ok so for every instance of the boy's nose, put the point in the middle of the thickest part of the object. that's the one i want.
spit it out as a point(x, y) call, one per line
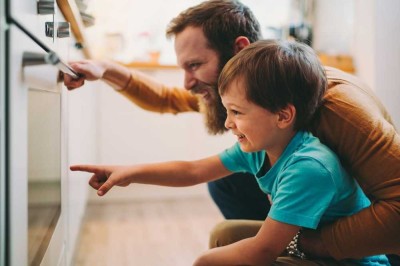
point(228, 123)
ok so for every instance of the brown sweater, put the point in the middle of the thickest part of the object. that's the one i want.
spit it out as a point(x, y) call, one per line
point(353, 123)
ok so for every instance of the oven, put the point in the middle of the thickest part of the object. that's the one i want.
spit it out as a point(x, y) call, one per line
point(35, 122)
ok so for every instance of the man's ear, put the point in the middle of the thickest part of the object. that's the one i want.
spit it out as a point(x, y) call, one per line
point(287, 116)
point(240, 43)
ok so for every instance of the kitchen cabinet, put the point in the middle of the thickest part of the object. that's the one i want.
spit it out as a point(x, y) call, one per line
point(43, 202)
point(36, 223)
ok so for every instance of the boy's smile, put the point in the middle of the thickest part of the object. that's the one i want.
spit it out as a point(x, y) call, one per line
point(255, 127)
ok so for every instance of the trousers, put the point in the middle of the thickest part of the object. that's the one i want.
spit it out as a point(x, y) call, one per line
point(238, 196)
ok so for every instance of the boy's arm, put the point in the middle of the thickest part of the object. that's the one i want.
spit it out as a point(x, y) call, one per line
point(175, 174)
point(263, 249)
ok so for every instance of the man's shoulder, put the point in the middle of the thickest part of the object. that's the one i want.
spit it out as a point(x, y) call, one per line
point(353, 123)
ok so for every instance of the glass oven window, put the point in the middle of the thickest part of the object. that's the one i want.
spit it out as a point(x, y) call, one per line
point(44, 170)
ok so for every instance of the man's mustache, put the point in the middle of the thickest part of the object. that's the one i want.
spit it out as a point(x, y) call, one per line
point(200, 87)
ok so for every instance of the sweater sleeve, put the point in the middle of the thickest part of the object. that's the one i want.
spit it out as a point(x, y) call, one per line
point(354, 124)
point(153, 96)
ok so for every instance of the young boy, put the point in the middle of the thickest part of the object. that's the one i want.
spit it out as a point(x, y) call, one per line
point(270, 90)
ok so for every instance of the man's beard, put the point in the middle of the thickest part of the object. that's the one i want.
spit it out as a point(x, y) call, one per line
point(214, 114)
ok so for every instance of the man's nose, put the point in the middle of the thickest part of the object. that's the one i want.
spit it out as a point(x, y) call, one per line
point(189, 81)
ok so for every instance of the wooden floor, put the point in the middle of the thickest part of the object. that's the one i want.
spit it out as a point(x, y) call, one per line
point(167, 233)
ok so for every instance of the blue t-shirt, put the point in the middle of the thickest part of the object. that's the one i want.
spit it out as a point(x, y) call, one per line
point(307, 184)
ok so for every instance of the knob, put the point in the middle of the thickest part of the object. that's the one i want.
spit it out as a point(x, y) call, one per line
point(45, 7)
point(63, 29)
point(49, 29)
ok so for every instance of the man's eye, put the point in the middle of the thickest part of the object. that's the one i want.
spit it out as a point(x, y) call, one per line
point(194, 65)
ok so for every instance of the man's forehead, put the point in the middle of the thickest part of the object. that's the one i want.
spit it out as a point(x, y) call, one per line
point(191, 43)
point(191, 35)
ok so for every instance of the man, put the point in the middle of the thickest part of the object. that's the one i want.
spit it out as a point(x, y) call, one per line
point(352, 122)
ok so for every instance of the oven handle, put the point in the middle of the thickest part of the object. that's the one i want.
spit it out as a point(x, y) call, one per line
point(30, 58)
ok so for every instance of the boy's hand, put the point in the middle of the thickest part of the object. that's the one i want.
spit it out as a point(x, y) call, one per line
point(104, 177)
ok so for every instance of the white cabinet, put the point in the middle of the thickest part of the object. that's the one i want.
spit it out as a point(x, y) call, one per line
point(45, 201)
point(36, 157)
point(82, 148)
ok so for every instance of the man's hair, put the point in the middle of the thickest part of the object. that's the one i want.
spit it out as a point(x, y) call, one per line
point(276, 73)
point(222, 22)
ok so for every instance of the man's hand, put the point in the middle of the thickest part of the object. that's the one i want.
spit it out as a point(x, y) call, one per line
point(311, 244)
point(89, 70)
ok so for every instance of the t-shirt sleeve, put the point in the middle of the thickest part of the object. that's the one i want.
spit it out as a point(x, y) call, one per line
point(305, 190)
point(235, 160)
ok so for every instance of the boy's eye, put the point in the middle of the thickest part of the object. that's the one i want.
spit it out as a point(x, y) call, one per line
point(234, 112)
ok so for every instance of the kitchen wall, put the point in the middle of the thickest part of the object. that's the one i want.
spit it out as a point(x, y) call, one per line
point(128, 31)
point(333, 26)
point(377, 50)
point(366, 30)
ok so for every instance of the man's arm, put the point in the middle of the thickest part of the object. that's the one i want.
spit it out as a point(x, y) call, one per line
point(154, 96)
point(343, 239)
point(137, 87)
point(354, 124)
point(115, 74)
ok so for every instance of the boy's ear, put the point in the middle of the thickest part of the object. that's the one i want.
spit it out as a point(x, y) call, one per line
point(240, 43)
point(287, 116)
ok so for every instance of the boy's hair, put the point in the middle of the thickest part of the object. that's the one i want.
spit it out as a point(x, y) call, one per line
point(276, 73)
point(222, 22)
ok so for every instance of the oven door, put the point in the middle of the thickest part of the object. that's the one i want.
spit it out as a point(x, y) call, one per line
point(36, 157)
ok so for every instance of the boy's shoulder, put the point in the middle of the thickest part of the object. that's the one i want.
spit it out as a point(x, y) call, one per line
point(311, 153)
